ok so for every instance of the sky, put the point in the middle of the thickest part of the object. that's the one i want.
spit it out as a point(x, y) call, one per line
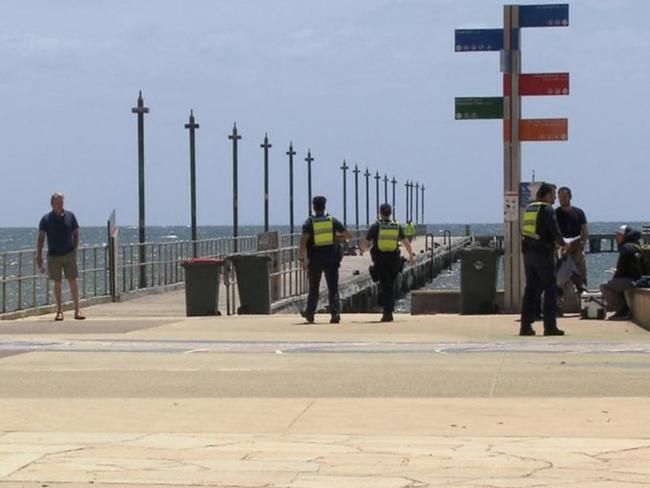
point(369, 81)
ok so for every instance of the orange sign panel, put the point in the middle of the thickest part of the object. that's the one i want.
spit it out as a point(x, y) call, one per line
point(539, 130)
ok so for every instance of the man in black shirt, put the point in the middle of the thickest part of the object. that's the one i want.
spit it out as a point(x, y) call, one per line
point(386, 235)
point(320, 252)
point(573, 223)
point(540, 234)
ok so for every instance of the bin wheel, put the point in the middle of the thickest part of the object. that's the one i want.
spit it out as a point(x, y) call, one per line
point(601, 314)
point(583, 313)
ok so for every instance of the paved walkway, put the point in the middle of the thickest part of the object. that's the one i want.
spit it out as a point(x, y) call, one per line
point(140, 396)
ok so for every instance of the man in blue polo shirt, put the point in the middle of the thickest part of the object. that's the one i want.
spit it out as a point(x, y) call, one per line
point(62, 231)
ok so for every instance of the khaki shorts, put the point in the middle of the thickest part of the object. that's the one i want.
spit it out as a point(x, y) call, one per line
point(66, 263)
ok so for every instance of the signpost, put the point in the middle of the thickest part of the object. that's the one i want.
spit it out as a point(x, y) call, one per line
point(539, 84)
point(543, 129)
point(553, 15)
point(508, 108)
point(479, 39)
point(479, 108)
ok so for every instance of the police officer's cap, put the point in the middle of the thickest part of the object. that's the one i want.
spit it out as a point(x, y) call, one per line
point(319, 200)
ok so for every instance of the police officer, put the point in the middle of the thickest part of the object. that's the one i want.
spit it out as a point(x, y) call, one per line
point(319, 253)
point(540, 233)
point(410, 230)
point(385, 236)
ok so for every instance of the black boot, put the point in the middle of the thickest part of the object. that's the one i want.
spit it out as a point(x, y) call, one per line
point(387, 317)
point(336, 319)
point(309, 317)
point(526, 330)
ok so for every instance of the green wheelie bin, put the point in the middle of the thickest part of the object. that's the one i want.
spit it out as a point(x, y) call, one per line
point(202, 286)
point(478, 280)
point(253, 283)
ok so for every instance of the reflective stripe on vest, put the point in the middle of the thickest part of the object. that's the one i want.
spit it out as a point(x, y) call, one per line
point(529, 227)
point(323, 230)
point(388, 238)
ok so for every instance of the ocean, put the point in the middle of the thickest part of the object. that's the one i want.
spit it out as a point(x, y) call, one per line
point(600, 266)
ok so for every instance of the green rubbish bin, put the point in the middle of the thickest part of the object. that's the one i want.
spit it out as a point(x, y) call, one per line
point(478, 280)
point(253, 283)
point(202, 286)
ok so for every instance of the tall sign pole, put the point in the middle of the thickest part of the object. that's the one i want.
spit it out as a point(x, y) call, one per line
point(192, 126)
point(393, 182)
point(291, 153)
point(266, 147)
point(345, 168)
point(513, 283)
point(367, 175)
point(234, 137)
point(356, 172)
point(508, 108)
point(309, 160)
point(141, 110)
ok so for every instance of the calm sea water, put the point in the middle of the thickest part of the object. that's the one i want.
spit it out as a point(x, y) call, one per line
point(16, 238)
point(600, 266)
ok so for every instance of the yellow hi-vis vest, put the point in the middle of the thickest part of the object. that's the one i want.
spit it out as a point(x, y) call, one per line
point(410, 229)
point(529, 228)
point(388, 238)
point(323, 230)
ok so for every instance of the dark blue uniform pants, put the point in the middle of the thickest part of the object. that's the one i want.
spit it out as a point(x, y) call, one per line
point(331, 270)
point(386, 264)
point(540, 278)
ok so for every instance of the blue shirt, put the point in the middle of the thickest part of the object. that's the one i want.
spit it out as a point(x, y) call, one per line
point(59, 232)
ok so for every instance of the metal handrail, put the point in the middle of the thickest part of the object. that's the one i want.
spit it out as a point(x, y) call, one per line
point(23, 287)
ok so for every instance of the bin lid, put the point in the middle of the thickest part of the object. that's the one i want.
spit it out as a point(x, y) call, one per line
point(479, 250)
point(203, 261)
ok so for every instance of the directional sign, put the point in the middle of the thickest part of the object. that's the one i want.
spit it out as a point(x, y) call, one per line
point(539, 84)
point(555, 15)
point(479, 108)
point(539, 130)
point(479, 39)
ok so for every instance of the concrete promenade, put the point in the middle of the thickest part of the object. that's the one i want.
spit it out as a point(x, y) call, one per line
point(138, 395)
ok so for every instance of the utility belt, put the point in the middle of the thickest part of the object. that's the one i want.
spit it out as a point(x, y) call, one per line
point(535, 245)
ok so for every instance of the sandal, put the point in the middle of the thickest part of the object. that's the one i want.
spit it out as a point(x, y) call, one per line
point(79, 316)
point(59, 316)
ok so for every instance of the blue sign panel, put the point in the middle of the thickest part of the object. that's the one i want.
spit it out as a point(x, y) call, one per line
point(479, 39)
point(556, 15)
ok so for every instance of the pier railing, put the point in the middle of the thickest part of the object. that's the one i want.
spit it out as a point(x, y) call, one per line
point(23, 288)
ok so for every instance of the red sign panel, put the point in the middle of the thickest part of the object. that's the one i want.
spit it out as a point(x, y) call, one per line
point(539, 130)
point(539, 84)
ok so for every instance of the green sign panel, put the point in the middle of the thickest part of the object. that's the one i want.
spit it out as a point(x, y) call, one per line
point(479, 108)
